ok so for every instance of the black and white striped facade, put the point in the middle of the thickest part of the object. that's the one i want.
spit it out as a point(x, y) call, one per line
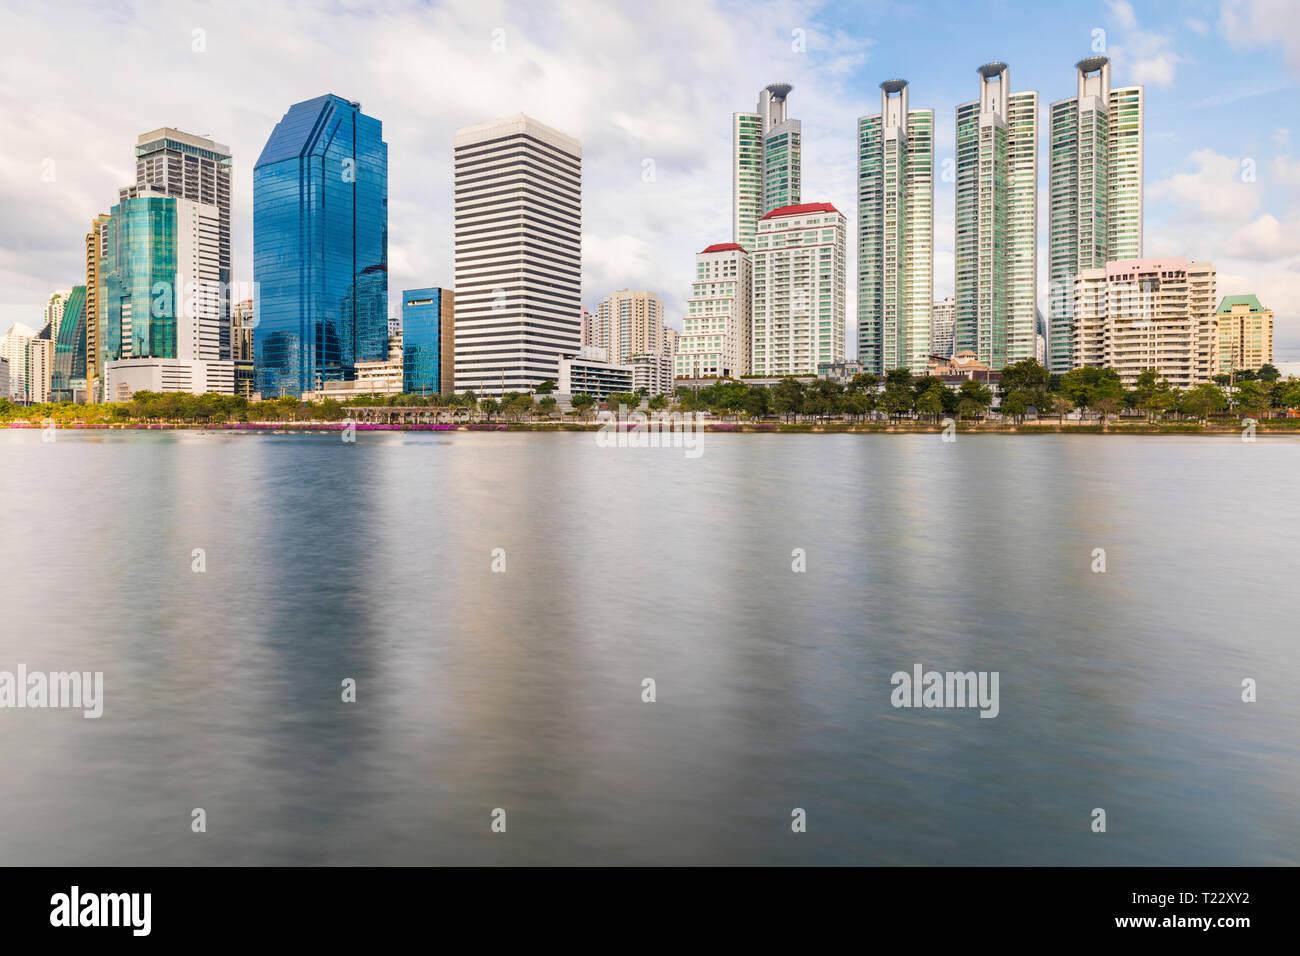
point(518, 249)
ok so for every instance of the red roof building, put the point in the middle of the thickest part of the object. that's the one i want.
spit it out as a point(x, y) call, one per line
point(802, 209)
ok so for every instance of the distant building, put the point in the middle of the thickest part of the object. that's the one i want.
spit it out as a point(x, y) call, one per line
point(28, 356)
point(96, 250)
point(242, 325)
point(800, 287)
point(941, 325)
point(4, 378)
point(715, 339)
point(964, 363)
point(652, 371)
point(842, 372)
point(588, 373)
point(1245, 334)
point(629, 322)
point(381, 377)
point(1138, 314)
point(426, 323)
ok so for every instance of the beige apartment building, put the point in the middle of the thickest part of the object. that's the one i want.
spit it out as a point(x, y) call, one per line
point(1245, 334)
point(629, 322)
point(1136, 314)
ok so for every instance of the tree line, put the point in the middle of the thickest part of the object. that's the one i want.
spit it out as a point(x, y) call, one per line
point(1026, 387)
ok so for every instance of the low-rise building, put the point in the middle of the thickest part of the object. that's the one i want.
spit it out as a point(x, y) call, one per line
point(1138, 314)
point(383, 377)
point(587, 372)
point(124, 377)
point(1245, 334)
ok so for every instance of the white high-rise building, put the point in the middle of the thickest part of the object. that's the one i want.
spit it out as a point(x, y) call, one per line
point(180, 164)
point(799, 290)
point(996, 248)
point(715, 336)
point(54, 312)
point(518, 251)
point(30, 358)
point(941, 316)
point(628, 322)
point(1137, 314)
point(895, 233)
point(767, 151)
point(1096, 191)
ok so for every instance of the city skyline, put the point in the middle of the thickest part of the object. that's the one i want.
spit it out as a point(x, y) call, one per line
point(644, 223)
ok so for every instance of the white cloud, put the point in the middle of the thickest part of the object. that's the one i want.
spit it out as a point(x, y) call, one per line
point(1265, 239)
point(1267, 23)
point(631, 82)
point(1140, 56)
point(1216, 189)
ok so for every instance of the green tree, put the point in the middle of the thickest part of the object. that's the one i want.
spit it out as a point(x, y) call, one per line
point(1015, 405)
point(1200, 401)
point(897, 399)
point(973, 398)
point(863, 382)
point(546, 404)
point(787, 398)
point(930, 403)
point(1028, 374)
point(1268, 372)
point(1062, 405)
point(758, 401)
point(546, 387)
point(658, 403)
point(823, 398)
point(1152, 393)
point(1088, 385)
point(583, 403)
point(1251, 398)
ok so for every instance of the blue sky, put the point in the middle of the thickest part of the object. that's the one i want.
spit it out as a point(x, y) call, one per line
point(634, 82)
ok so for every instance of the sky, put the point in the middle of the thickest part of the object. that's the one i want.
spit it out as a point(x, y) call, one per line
point(649, 89)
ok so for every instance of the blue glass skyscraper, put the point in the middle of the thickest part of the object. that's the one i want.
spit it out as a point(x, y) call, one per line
point(426, 319)
point(320, 246)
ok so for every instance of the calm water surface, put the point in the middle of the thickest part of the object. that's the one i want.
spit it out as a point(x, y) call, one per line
point(522, 690)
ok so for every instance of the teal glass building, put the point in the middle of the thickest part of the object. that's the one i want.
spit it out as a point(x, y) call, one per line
point(138, 278)
point(422, 320)
point(68, 370)
point(320, 247)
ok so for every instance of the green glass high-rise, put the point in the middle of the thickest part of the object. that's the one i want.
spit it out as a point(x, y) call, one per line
point(895, 233)
point(996, 254)
point(767, 157)
point(1096, 191)
point(68, 368)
